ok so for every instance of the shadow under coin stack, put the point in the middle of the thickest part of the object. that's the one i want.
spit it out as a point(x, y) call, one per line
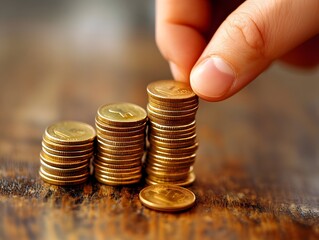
point(171, 111)
point(67, 148)
point(120, 143)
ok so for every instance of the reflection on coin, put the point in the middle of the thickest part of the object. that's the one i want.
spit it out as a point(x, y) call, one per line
point(122, 114)
point(167, 197)
point(166, 90)
point(67, 132)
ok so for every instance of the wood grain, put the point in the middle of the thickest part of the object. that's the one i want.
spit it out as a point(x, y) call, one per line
point(257, 165)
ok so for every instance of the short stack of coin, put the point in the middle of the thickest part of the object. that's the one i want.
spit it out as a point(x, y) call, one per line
point(120, 143)
point(67, 148)
point(171, 111)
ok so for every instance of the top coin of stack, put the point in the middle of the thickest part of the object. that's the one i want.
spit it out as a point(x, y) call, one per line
point(67, 148)
point(171, 110)
point(120, 143)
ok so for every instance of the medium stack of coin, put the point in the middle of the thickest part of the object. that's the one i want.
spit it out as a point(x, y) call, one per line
point(120, 143)
point(171, 111)
point(67, 148)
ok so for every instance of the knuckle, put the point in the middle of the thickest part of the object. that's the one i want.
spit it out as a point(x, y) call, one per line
point(242, 27)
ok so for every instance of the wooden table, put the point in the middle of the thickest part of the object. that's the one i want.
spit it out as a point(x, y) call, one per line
point(257, 164)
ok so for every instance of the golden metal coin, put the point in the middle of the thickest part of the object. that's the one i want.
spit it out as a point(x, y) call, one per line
point(66, 152)
point(174, 127)
point(173, 104)
point(60, 164)
point(66, 147)
point(170, 90)
point(70, 132)
point(167, 198)
point(64, 171)
point(63, 182)
point(122, 114)
point(116, 182)
point(99, 122)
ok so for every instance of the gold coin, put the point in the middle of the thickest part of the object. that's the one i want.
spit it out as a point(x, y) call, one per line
point(136, 177)
point(116, 182)
point(62, 164)
point(63, 182)
point(173, 104)
point(123, 129)
point(70, 132)
point(66, 152)
point(182, 117)
point(167, 198)
point(174, 127)
point(171, 112)
point(64, 171)
point(62, 177)
point(169, 122)
point(115, 133)
point(118, 159)
point(170, 90)
point(65, 147)
point(174, 151)
point(182, 183)
point(67, 159)
point(101, 164)
point(122, 114)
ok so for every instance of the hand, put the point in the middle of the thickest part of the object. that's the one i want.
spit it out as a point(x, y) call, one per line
point(220, 48)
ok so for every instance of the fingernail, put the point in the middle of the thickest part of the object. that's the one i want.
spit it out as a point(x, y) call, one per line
point(177, 74)
point(212, 78)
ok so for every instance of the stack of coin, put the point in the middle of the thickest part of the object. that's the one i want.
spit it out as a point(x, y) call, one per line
point(120, 143)
point(67, 148)
point(171, 111)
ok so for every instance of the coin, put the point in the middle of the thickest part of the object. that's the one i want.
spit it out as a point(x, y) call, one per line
point(167, 198)
point(122, 114)
point(67, 132)
point(166, 90)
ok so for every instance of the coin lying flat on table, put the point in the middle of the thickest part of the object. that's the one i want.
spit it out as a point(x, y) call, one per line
point(167, 198)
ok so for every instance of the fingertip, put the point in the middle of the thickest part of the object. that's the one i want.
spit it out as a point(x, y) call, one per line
point(178, 73)
point(212, 79)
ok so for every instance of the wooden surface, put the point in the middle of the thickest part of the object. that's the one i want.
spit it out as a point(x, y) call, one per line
point(257, 165)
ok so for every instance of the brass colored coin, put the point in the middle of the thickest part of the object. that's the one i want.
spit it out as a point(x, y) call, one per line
point(168, 122)
point(182, 118)
point(136, 177)
point(63, 178)
point(62, 164)
point(123, 129)
point(120, 170)
point(156, 130)
point(114, 133)
point(122, 114)
point(122, 140)
point(172, 104)
point(63, 182)
point(183, 183)
point(120, 175)
point(101, 164)
point(170, 90)
point(135, 138)
point(174, 127)
point(116, 182)
point(174, 151)
point(102, 149)
point(190, 139)
point(172, 145)
point(118, 159)
point(65, 152)
point(167, 198)
point(70, 132)
point(65, 147)
point(173, 112)
point(64, 171)
point(58, 158)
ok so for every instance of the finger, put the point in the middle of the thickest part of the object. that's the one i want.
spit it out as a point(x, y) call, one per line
point(255, 34)
point(180, 33)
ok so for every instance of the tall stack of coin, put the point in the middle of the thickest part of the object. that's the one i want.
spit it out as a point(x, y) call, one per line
point(120, 143)
point(171, 111)
point(67, 148)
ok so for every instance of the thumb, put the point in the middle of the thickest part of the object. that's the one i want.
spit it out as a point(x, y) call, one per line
point(255, 34)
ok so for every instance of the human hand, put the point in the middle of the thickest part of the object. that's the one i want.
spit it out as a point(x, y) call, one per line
point(220, 57)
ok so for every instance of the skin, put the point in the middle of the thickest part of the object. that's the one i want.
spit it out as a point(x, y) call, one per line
point(221, 46)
